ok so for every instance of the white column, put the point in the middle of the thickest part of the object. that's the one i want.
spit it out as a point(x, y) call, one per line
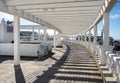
point(78, 37)
point(44, 34)
point(85, 37)
point(39, 33)
point(89, 45)
point(90, 36)
point(95, 35)
point(16, 41)
point(95, 39)
point(54, 43)
point(72, 38)
point(59, 36)
point(105, 37)
point(82, 38)
point(2, 31)
point(69, 37)
point(32, 37)
point(106, 31)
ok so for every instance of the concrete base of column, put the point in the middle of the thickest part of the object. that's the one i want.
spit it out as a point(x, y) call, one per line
point(102, 57)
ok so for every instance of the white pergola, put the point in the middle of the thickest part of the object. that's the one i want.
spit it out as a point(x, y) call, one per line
point(65, 16)
point(62, 15)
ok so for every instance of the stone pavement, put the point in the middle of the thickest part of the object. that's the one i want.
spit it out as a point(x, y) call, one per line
point(71, 66)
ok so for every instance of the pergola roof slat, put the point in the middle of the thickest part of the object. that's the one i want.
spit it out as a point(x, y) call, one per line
point(33, 2)
point(62, 15)
point(62, 5)
point(64, 9)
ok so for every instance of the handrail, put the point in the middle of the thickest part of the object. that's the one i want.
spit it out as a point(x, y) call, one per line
point(113, 63)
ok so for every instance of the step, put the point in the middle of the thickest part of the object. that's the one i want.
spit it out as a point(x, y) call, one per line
point(110, 80)
point(103, 68)
point(107, 73)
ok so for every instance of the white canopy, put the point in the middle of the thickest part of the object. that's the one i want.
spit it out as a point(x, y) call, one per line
point(66, 16)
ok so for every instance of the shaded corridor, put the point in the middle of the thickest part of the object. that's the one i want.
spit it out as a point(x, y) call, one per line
point(75, 66)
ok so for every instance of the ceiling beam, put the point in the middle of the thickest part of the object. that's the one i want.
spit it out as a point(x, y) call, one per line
point(79, 20)
point(108, 4)
point(68, 18)
point(67, 15)
point(63, 5)
point(63, 9)
point(20, 13)
point(70, 12)
point(80, 14)
point(72, 26)
point(57, 24)
point(34, 2)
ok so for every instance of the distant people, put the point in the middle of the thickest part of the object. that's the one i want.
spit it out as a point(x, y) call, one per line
point(116, 46)
point(77, 38)
point(12, 41)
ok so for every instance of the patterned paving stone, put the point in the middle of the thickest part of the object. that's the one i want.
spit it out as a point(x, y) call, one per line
point(73, 66)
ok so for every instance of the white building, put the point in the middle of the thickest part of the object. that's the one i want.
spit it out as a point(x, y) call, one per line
point(6, 32)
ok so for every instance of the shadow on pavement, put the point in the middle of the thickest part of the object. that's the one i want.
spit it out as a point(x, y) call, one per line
point(19, 77)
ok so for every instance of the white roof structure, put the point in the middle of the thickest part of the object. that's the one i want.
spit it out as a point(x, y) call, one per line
point(66, 16)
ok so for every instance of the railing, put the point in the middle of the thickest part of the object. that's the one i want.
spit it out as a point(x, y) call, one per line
point(113, 60)
point(113, 63)
point(94, 49)
point(97, 50)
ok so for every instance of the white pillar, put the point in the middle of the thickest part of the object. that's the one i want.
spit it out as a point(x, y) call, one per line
point(78, 37)
point(85, 37)
point(32, 37)
point(82, 38)
point(39, 33)
point(2, 30)
point(72, 37)
point(54, 43)
point(105, 37)
point(95, 35)
point(69, 37)
point(44, 34)
point(89, 45)
point(90, 36)
point(106, 31)
point(16, 41)
point(59, 36)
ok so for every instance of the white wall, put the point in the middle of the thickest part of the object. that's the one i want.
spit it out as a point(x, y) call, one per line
point(25, 49)
point(9, 37)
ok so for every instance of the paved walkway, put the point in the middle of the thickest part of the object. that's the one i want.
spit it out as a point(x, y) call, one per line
point(73, 66)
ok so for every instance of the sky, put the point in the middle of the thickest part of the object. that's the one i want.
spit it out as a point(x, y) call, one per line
point(22, 22)
point(114, 22)
point(114, 25)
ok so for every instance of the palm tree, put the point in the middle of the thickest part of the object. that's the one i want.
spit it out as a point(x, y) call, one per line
point(9, 22)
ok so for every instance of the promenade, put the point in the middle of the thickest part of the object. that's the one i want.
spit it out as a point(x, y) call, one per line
point(65, 65)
